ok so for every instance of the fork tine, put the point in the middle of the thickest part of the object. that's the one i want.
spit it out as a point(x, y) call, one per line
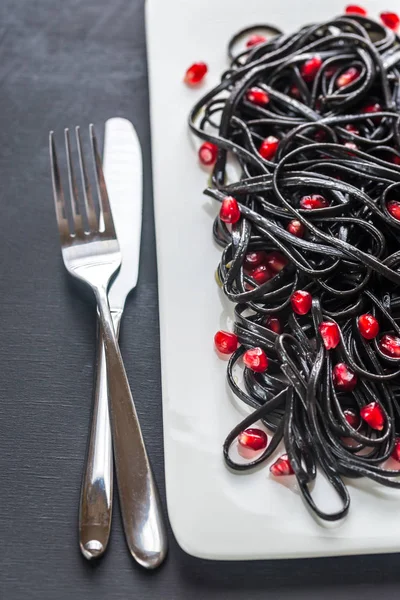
point(58, 193)
point(73, 190)
point(101, 187)
point(86, 188)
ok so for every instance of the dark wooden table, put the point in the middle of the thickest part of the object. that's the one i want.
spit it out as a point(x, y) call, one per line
point(67, 62)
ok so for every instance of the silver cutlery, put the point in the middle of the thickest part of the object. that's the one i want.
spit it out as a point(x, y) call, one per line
point(92, 255)
point(122, 165)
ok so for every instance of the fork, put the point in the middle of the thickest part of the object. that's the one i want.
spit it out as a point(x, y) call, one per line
point(91, 254)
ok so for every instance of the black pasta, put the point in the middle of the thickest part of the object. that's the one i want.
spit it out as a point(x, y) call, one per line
point(338, 133)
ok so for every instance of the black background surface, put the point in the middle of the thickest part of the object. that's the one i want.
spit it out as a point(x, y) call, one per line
point(67, 62)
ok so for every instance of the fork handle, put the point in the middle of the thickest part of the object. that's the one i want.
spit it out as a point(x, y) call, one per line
point(95, 510)
point(138, 495)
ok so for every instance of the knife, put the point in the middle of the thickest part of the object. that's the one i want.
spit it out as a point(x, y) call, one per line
point(140, 505)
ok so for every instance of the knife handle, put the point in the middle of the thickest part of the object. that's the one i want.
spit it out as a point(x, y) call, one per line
point(139, 500)
point(95, 511)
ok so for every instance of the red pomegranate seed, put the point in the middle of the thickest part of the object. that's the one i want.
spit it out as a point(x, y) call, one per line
point(374, 107)
point(311, 68)
point(256, 360)
point(353, 9)
point(274, 324)
point(351, 146)
point(330, 71)
point(276, 261)
point(393, 207)
point(195, 73)
point(208, 153)
point(257, 96)
point(330, 334)
point(352, 418)
point(225, 342)
point(253, 259)
point(352, 129)
point(255, 40)
point(295, 92)
point(373, 415)
point(320, 136)
point(229, 212)
point(390, 19)
point(269, 147)
point(396, 450)
point(282, 467)
point(390, 345)
point(301, 302)
point(296, 228)
point(251, 441)
point(396, 159)
point(313, 202)
point(261, 274)
point(348, 77)
point(368, 326)
point(344, 379)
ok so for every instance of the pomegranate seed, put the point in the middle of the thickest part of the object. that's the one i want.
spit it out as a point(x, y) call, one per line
point(352, 129)
point(393, 207)
point(295, 92)
point(368, 326)
point(195, 73)
point(274, 324)
point(208, 153)
point(225, 342)
point(348, 77)
point(229, 212)
point(353, 9)
point(253, 259)
point(396, 159)
point(282, 467)
point(320, 136)
point(352, 418)
point(255, 40)
point(344, 379)
point(256, 360)
point(269, 147)
point(373, 415)
point(311, 68)
point(276, 261)
point(330, 334)
point(301, 302)
point(374, 107)
point(390, 19)
point(261, 274)
point(314, 201)
point(396, 450)
point(390, 345)
point(251, 441)
point(351, 146)
point(330, 71)
point(296, 228)
point(257, 96)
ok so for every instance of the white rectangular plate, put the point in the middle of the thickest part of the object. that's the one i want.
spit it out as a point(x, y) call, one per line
point(214, 513)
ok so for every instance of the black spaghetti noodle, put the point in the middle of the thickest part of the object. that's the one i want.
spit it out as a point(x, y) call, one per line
point(331, 101)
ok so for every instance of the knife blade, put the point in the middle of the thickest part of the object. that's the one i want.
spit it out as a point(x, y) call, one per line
point(123, 175)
